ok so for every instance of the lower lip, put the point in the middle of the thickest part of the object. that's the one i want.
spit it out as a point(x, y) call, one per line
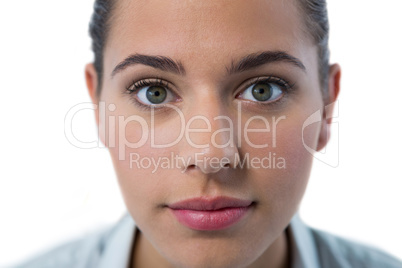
point(209, 220)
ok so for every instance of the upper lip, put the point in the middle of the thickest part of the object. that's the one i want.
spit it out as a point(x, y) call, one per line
point(208, 203)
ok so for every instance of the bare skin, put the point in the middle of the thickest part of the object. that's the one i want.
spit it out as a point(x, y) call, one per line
point(206, 38)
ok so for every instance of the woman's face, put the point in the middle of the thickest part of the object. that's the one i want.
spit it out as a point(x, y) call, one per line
point(205, 103)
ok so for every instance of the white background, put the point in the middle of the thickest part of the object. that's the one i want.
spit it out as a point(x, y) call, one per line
point(51, 191)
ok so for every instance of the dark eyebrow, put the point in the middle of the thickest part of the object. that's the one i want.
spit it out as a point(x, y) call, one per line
point(159, 62)
point(257, 59)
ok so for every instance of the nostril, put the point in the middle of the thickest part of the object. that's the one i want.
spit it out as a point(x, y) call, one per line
point(192, 166)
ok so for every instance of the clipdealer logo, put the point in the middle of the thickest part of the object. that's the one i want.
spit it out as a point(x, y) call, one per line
point(117, 125)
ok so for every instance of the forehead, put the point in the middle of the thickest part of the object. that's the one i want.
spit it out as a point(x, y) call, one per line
point(205, 29)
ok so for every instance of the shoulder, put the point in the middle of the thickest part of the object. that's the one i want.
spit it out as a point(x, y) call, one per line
point(313, 248)
point(335, 251)
point(106, 248)
point(87, 251)
point(77, 253)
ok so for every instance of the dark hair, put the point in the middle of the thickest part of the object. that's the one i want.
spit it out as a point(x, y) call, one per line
point(99, 28)
point(316, 22)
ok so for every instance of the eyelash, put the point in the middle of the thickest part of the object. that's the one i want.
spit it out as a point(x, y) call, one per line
point(135, 86)
point(282, 83)
point(147, 82)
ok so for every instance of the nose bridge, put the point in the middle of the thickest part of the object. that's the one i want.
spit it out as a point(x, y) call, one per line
point(210, 116)
point(210, 134)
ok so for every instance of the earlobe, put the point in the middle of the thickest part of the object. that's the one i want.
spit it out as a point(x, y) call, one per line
point(334, 81)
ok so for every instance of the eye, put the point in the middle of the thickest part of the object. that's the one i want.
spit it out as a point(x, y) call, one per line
point(266, 90)
point(152, 92)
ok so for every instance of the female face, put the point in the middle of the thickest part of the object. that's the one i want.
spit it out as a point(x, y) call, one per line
point(205, 105)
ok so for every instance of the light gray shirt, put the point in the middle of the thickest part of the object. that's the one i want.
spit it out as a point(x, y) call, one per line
point(310, 248)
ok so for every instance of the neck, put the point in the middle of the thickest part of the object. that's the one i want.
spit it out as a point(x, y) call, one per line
point(277, 255)
point(145, 255)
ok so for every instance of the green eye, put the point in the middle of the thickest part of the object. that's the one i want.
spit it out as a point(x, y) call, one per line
point(156, 94)
point(262, 91)
point(152, 92)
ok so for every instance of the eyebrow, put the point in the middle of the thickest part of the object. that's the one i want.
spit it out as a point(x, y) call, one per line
point(257, 59)
point(159, 62)
point(248, 62)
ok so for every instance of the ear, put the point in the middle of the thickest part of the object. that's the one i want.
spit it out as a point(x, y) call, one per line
point(91, 78)
point(334, 81)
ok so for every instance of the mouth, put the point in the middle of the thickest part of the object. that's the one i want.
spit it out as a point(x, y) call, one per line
point(208, 214)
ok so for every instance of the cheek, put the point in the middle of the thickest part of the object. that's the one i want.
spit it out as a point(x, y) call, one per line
point(143, 186)
point(127, 138)
point(145, 173)
point(283, 175)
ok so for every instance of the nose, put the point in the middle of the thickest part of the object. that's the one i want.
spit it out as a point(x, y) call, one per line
point(209, 142)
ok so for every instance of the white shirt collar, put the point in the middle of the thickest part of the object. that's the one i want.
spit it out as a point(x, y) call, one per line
point(118, 244)
point(302, 245)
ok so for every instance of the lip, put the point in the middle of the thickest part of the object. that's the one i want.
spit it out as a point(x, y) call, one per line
point(208, 214)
